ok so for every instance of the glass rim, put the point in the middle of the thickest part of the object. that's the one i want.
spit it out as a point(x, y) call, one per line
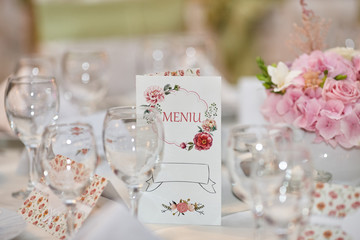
point(72, 124)
point(250, 125)
point(29, 79)
point(128, 108)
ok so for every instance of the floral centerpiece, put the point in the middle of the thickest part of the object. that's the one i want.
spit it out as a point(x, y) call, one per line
point(319, 91)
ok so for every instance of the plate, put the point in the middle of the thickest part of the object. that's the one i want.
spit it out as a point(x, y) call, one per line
point(11, 224)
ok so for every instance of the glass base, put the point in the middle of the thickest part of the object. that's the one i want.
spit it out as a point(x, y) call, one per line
point(21, 194)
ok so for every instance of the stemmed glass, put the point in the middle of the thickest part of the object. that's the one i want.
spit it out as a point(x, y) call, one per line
point(68, 157)
point(35, 65)
point(133, 143)
point(283, 181)
point(243, 140)
point(85, 74)
point(31, 103)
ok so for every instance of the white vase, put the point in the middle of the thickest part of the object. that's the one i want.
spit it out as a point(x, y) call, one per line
point(343, 164)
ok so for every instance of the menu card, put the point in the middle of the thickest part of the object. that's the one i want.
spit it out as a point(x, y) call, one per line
point(186, 187)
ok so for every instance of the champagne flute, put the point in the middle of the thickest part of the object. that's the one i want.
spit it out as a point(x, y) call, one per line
point(85, 74)
point(31, 103)
point(68, 157)
point(133, 143)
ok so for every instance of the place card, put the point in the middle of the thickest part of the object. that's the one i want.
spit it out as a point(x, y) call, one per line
point(45, 210)
point(186, 187)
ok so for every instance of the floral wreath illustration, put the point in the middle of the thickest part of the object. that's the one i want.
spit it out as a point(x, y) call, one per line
point(203, 140)
point(182, 207)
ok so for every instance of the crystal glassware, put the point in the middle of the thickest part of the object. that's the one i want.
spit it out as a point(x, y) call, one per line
point(241, 157)
point(31, 103)
point(35, 65)
point(68, 157)
point(283, 184)
point(133, 143)
point(85, 74)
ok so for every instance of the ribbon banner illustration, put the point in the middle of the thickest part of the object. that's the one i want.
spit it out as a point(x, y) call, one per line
point(182, 172)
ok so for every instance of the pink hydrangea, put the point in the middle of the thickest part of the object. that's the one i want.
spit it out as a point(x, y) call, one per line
point(154, 94)
point(332, 109)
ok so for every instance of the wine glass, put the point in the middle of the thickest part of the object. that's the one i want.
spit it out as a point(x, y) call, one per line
point(68, 158)
point(241, 158)
point(283, 182)
point(85, 74)
point(35, 65)
point(133, 143)
point(31, 103)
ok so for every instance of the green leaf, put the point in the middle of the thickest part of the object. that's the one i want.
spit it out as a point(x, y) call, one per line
point(200, 129)
point(190, 147)
point(167, 87)
point(176, 87)
point(190, 143)
point(261, 77)
point(167, 93)
point(340, 77)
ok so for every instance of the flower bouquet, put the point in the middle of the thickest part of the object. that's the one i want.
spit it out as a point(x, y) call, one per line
point(318, 92)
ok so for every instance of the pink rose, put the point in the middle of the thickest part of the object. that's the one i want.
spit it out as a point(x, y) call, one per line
point(203, 141)
point(154, 94)
point(173, 206)
point(356, 63)
point(183, 145)
point(345, 91)
point(182, 207)
point(191, 207)
point(209, 125)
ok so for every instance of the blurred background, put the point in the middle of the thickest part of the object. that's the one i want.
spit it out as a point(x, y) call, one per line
point(141, 36)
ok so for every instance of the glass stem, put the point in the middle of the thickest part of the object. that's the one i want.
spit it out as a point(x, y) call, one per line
point(71, 208)
point(32, 166)
point(134, 193)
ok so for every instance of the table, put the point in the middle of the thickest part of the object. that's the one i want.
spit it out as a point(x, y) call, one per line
point(237, 222)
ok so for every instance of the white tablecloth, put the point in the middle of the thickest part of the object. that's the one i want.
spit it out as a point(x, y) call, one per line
point(237, 221)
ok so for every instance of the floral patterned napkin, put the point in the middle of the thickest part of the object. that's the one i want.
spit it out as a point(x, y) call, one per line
point(43, 209)
point(181, 72)
point(336, 202)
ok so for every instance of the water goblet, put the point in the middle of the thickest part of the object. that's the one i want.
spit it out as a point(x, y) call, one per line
point(68, 157)
point(242, 142)
point(35, 65)
point(283, 181)
point(85, 74)
point(133, 143)
point(31, 103)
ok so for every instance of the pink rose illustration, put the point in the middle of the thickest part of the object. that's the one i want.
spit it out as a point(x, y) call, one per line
point(154, 94)
point(203, 141)
point(191, 207)
point(182, 207)
point(183, 145)
point(209, 125)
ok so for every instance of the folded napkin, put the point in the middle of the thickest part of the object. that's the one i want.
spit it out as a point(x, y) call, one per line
point(113, 221)
point(335, 212)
